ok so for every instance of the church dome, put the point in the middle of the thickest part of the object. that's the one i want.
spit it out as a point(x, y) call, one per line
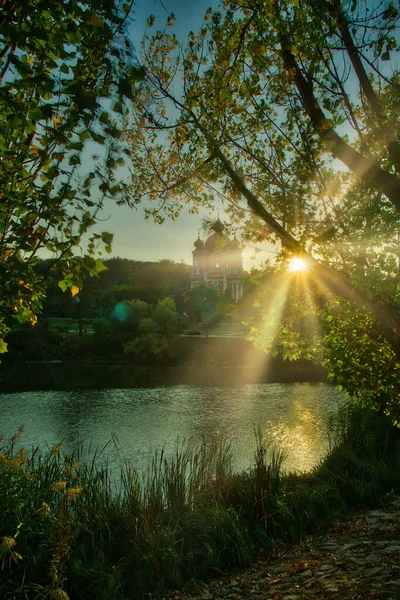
point(199, 244)
point(216, 241)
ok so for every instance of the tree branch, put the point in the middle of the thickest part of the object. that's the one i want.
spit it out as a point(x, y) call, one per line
point(365, 83)
point(337, 283)
point(364, 168)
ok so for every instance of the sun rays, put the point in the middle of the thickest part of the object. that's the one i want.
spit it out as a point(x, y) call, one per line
point(289, 314)
point(288, 321)
point(297, 265)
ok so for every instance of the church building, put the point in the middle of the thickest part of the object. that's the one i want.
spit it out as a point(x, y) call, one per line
point(218, 262)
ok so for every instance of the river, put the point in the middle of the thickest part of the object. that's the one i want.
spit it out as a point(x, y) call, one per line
point(131, 424)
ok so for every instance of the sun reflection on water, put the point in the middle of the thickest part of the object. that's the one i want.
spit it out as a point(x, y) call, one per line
point(291, 416)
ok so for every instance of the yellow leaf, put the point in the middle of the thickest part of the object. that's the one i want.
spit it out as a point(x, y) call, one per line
point(59, 486)
point(325, 125)
point(72, 493)
point(74, 290)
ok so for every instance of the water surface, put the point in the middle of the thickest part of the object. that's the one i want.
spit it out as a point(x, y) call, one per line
point(130, 424)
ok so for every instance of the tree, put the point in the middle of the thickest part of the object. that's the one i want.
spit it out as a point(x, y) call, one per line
point(138, 311)
point(202, 304)
point(157, 329)
point(66, 70)
point(272, 93)
point(166, 317)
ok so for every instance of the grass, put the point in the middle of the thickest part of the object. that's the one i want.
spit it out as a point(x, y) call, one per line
point(66, 532)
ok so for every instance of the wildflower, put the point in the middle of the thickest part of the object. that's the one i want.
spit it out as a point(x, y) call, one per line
point(7, 544)
point(72, 492)
point(59, 595)
point(16, 461)
point(59, 486)
point(45, 509)
point(56, 449)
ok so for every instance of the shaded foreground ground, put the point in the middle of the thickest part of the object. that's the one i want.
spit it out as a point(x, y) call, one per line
point(355, 559)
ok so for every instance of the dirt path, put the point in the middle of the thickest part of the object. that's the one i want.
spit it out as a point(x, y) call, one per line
point(356, 559)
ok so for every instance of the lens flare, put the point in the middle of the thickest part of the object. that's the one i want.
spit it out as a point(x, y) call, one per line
point(122, 312)
point(297, 264)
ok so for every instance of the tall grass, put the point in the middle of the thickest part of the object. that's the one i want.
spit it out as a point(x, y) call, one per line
point(66, 530)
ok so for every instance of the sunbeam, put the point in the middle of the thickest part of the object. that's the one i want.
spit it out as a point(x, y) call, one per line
point(268, 331)
point(297, 264)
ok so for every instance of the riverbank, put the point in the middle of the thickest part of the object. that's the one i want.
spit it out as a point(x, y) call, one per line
point(357, 558)
point(79, 363)
point(65, 533)
point(19, 376)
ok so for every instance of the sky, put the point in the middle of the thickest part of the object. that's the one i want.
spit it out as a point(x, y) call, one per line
point(140, 239)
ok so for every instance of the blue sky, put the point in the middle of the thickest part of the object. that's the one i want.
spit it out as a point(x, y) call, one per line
point(134, 237)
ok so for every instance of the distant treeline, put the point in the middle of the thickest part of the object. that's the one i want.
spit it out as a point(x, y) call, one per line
point(124, 279)
point(134, 318)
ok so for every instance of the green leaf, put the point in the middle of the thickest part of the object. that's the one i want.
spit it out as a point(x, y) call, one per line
point(76, 146)
point(100, 139)
point(100, 266)
point(107, 237)
point(64, 285)
point(36, 114)
point(118, 107)
point(73, 36)
point(75, 159)
point(47, 111)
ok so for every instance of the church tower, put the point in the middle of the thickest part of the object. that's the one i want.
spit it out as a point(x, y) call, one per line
point(218, 262)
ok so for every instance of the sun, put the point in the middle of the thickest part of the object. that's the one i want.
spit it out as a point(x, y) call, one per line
point(297, 264)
